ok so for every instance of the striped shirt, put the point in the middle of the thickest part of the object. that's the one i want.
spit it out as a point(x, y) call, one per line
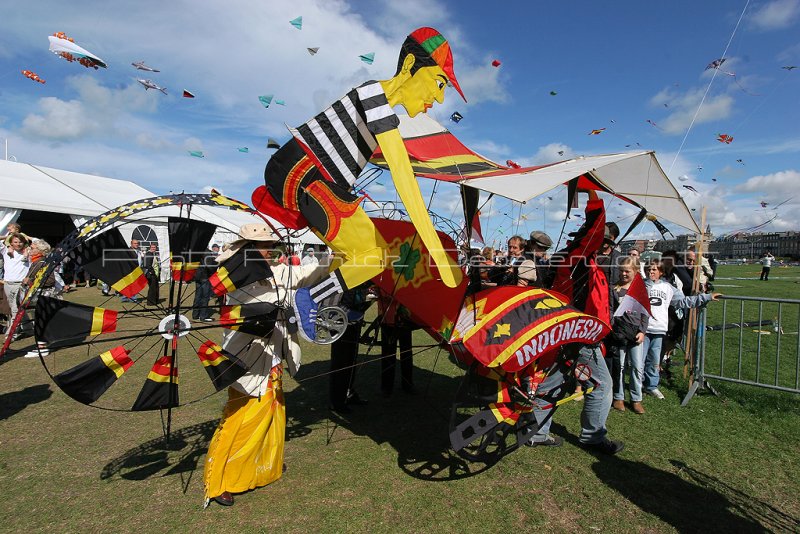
point(341, 139)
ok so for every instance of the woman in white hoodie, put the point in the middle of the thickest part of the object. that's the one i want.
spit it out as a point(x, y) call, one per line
point(662, 296)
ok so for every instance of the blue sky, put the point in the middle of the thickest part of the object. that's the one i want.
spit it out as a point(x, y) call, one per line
point(624, 61)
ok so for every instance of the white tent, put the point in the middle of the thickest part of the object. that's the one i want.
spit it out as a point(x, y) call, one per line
point(24, 186)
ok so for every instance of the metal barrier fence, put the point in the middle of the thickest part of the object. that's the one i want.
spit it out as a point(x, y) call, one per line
point(748, 340)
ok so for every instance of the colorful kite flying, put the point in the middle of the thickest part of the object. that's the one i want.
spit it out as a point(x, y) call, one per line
point(297, 23)
point(150, 84)
point(32, 75)
point(725, 138)
point(367, 58)
point(456, 117)
point(64, 46)
point(141, 66)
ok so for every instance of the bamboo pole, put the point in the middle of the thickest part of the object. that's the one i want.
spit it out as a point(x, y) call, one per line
point(691, 332)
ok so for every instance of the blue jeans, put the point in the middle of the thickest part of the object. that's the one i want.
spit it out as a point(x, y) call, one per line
point(200, 307)
point(634, 353)
point(596, 404)
point(652, 358)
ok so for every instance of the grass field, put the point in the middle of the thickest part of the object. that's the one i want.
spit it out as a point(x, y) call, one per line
point(721, 464)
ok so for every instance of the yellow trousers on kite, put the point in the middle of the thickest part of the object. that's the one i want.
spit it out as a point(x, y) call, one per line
point(360, 248)
point(246, 451)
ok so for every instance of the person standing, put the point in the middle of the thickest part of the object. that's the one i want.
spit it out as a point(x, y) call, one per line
point(140, 260)
point(507, 274)
point(309, 257)
point(15, 267)
point(151, 266)
point(580, 279)
point(344, 352)
point(538, 245)
point(766, 265)
point(246, 451)
point(396, 329)
point(201, 311)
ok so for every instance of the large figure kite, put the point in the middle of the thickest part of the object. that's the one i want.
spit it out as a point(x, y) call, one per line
point(65, 47)
point(309, 179)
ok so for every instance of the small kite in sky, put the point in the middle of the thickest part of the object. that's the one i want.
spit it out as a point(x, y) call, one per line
point(32, 75)
point(512, 164)
point(725, 138)
point(653, 124)
point(740, 161)
point(553, 93)
point(690, 188)
point(456, 117)
point(789, 67)
point(187, 94)
point(244, 149)
point(272, 143)
point(197, 153)
point(683, 177)
point(280, 102)
point(598, 131)
point(700, 168)
point(313, 51)
point(150, 84)
point(496, 63)
point(636, 143)
point(297, 23)
point(367, 58)
point(265, 100)
point(65, 47)
point(560, 152)
point(141, 66)
point(764, 204)
point(613, 121)
point(666, 105)
point(713, 179)
point(716, 64)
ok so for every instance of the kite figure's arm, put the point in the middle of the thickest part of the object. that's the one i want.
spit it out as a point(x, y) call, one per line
point(406, 183)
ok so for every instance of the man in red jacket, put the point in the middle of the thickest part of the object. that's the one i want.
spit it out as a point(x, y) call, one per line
point(580, 278)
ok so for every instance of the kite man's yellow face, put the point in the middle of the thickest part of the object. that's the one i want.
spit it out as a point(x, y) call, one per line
point(422, 89)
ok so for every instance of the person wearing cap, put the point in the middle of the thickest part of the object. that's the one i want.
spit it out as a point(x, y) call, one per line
point(246, 451)
point(309, 180)
point(309, 257)
point(609, 257)
point(578, 277)
point(538, 245)
point(526, 274)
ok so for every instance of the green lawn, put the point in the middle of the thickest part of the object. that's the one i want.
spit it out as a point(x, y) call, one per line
point(726, 463)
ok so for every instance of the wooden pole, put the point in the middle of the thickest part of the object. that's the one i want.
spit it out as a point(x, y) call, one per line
point(691, 332)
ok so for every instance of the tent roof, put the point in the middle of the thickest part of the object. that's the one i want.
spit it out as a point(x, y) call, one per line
point(27, 186)
point(436, 153)
point(32, 187)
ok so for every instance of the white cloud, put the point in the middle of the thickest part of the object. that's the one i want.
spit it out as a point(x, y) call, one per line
point(779, 185)
point(550, 153)
point(775, 15)
point(683, 106)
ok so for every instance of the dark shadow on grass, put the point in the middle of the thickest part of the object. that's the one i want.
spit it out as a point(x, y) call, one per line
point(415, 425)
point(15, 401)
point(701, 504)
point(159, 458)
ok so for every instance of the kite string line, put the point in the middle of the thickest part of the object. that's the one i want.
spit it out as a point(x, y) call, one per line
point(708, 88)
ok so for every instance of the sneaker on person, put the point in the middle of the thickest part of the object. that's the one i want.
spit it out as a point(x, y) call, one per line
point(606, 446)
point(305, 310)
point(35, 353)
point(655, 393)
point(549, 441)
